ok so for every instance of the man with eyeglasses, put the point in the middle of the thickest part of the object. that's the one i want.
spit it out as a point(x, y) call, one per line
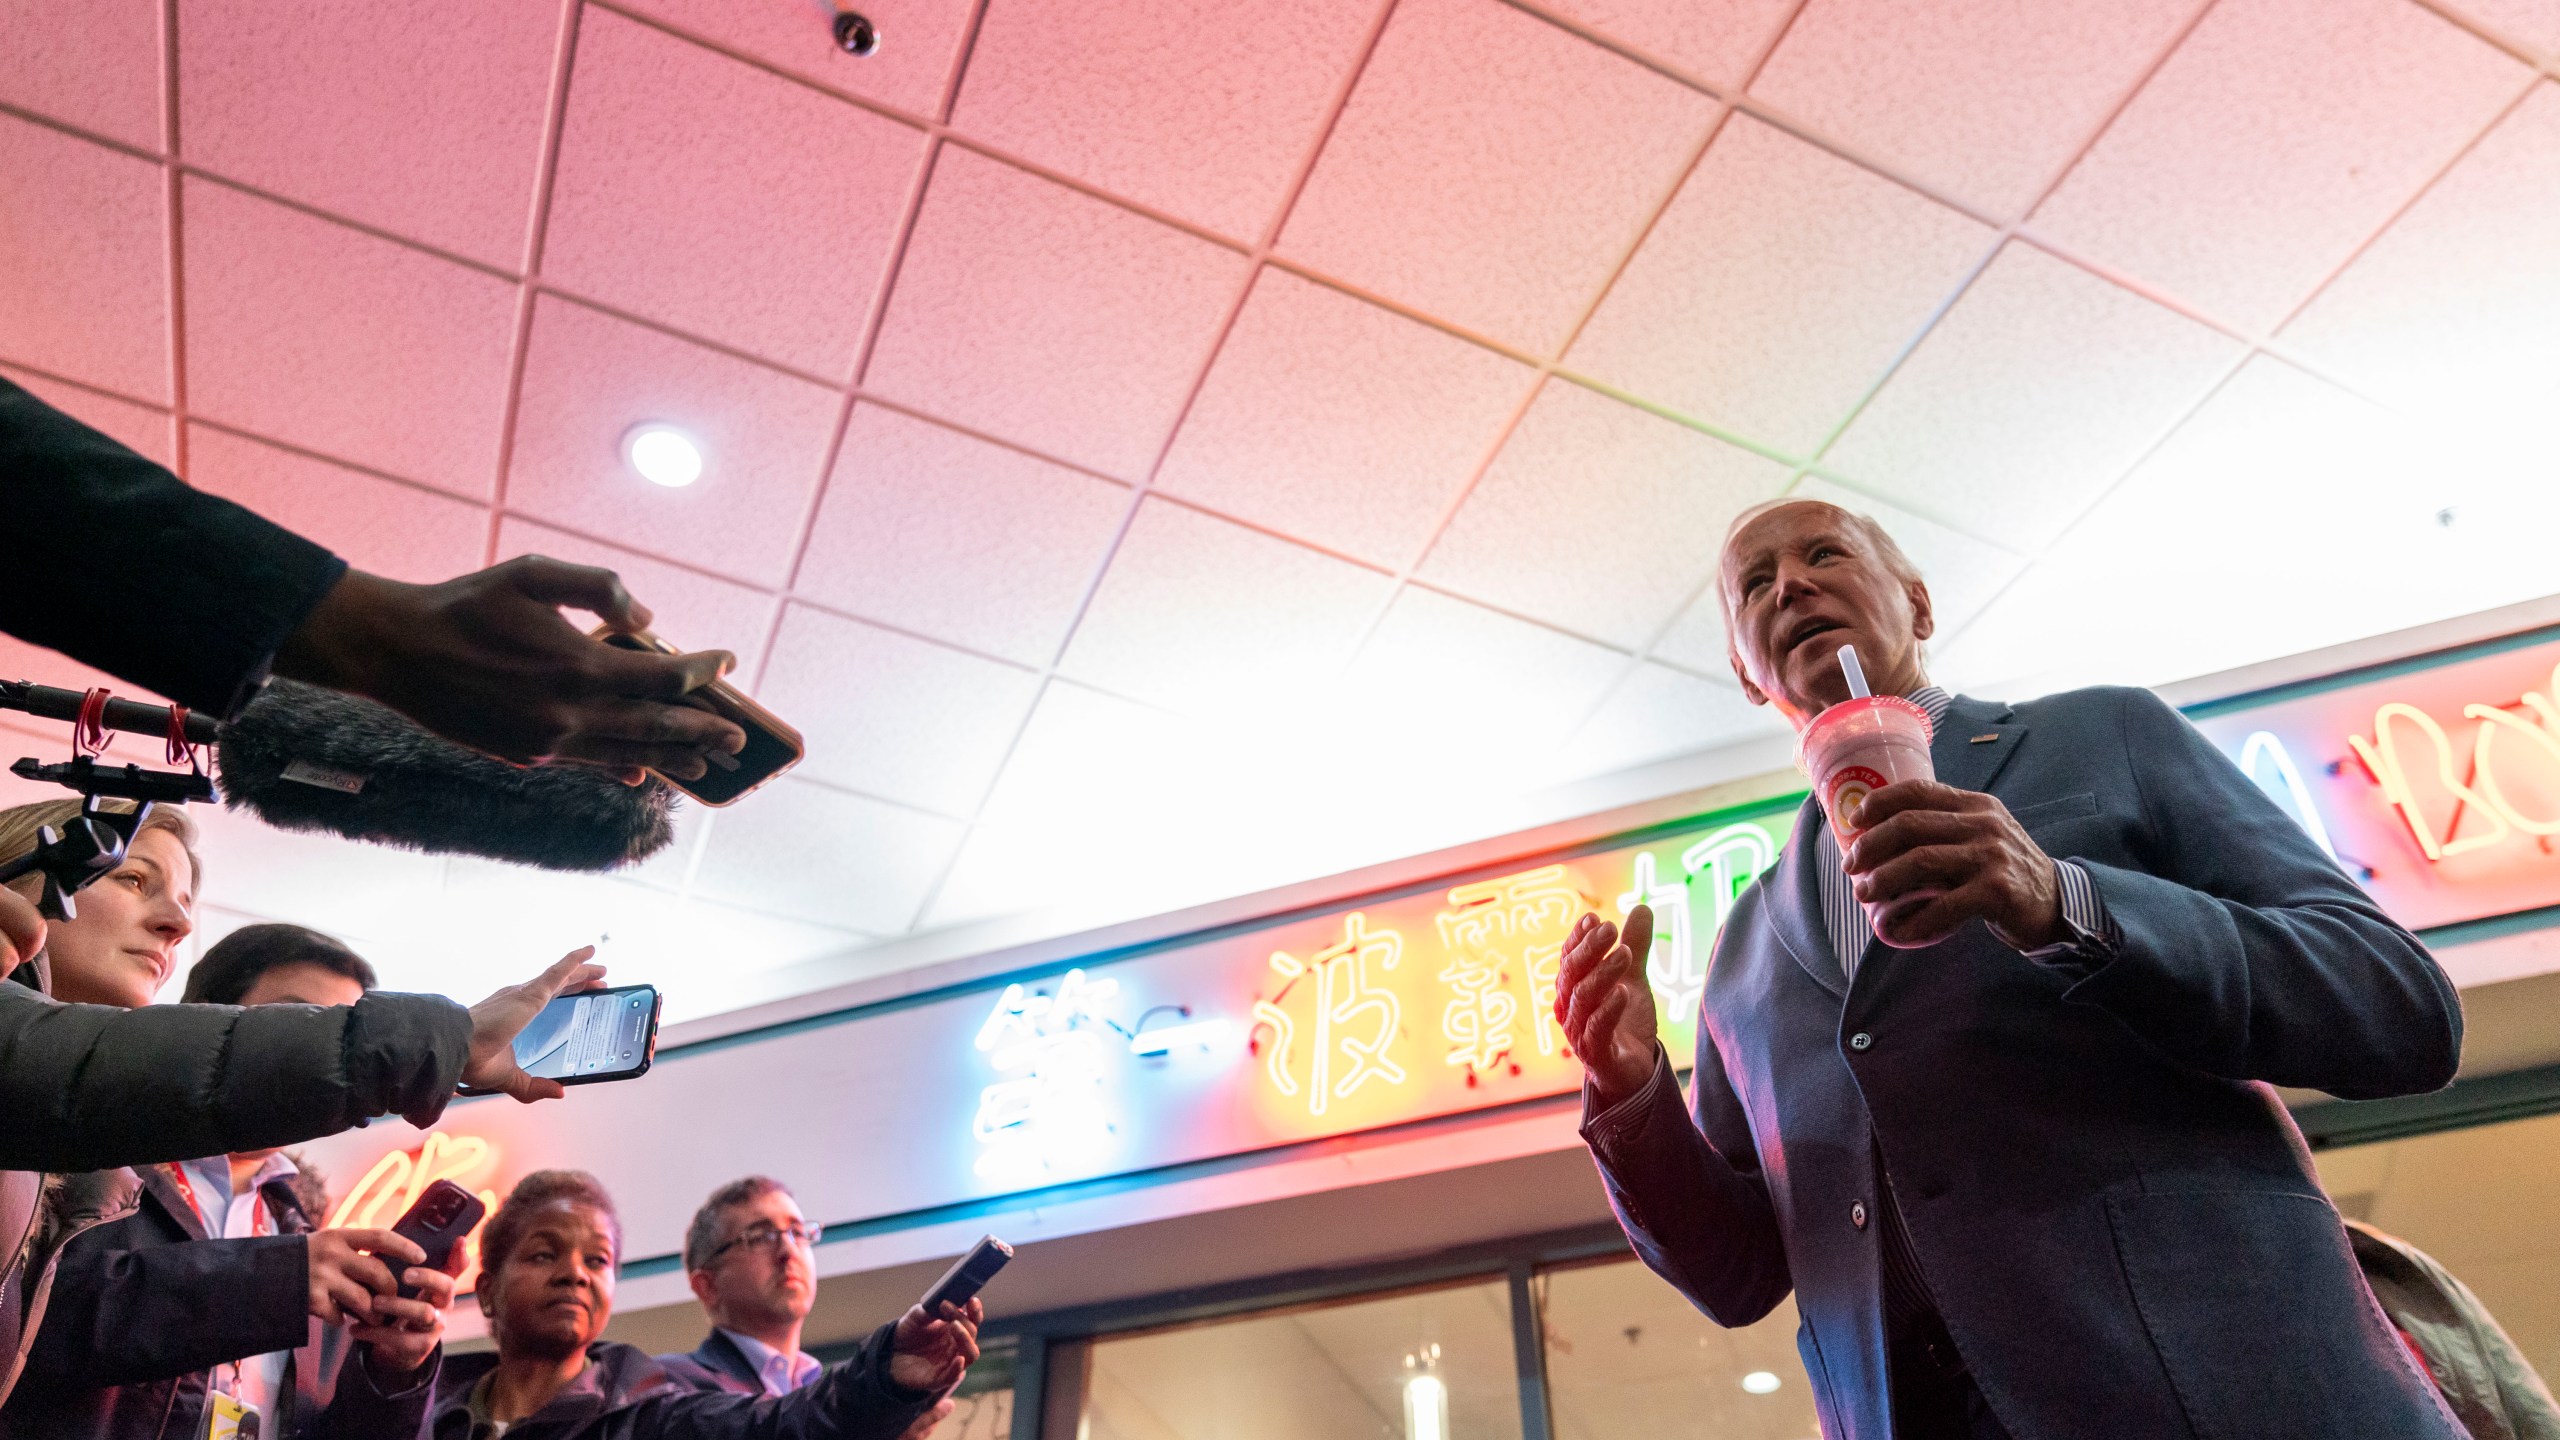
point(751, 1257)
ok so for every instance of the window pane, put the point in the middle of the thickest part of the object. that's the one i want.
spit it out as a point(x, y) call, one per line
point(1629, 1359)
point(1333, 1372)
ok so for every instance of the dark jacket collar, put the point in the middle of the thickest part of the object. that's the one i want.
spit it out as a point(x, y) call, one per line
point(722, 1355)
point(617, 1375)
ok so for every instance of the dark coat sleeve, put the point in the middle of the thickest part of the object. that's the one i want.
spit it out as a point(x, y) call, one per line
point(92, 1087)
point(124, 1315)
point(2245, 952)
point(361, 1409)
point(1689, 1192)
point(116, 562)
point(854, 1399)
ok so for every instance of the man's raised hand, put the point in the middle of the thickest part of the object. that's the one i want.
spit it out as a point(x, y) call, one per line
point(1604, 1003)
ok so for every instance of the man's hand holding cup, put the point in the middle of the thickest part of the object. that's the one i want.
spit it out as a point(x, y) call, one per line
point(1928, 857)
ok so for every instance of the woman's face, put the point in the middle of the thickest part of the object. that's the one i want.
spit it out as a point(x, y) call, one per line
point(124, 944)
point(555, 1292)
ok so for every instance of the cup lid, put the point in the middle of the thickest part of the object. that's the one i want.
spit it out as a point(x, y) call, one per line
point(1848, 710)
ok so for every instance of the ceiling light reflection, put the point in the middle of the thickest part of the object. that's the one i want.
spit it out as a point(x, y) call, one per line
point(662, 455)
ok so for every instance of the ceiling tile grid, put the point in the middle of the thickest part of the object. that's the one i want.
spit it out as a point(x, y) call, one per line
point(420, 117)
point(698, 191)
point(1492, 169)
point(1119, 424)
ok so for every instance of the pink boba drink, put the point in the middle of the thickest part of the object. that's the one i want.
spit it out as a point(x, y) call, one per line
point(1858, 747)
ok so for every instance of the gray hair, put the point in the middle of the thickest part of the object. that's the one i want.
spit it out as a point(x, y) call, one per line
point(1867, 526)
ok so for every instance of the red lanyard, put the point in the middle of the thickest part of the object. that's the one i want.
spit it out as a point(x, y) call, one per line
point(260, 1223)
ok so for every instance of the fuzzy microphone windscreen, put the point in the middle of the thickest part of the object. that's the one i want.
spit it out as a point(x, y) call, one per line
point(301, 757)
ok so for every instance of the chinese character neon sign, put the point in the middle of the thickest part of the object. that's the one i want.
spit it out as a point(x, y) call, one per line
point(2485, 792)
point(1048, 1111)
point(1355, 1017)
point(1722, 865)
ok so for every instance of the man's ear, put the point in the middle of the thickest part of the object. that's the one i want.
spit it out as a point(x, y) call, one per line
point(1924, 622)
point(1750, 692)
point(703, 1289)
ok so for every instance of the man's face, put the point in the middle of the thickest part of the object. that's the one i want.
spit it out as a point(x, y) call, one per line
point(553, 1295)
point(761, 1280)
point(1801, 581)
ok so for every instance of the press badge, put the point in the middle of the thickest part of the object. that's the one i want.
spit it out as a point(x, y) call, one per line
point(226, 1418)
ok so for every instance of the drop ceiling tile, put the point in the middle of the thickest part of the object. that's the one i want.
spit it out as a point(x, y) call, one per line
point(1986, 102)
point(1031, 311)
point(1716, 43)
point(388, 528)
point(337, 341)
point(1491, 169)
point(894, 716)
point(84, 243)
point(96, 65)
point(931, 530)
point(1198, 108)
point(2236, 557)
point(708, 194)
point(316, 880)
point(909, 69)
point(1775, 288)
point(1598, 517)
point(25, 660)
point(2276, 138)
point(2455, 311)
point(589, 377)
point(2033, 394)
point(422, 117)
point(810, 853)
point(691, 610)
point(1201, 615)
point(1338, 422)
point(1962, 571)
point(2535, 24)
point(1697, 639)
point(1659, 712)
point(1457, 690)
point(136, 427)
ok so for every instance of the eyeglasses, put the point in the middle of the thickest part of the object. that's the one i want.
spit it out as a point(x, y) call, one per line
point(770, 1238)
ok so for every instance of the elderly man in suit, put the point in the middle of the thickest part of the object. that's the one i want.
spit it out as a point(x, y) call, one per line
point(2023, 1169)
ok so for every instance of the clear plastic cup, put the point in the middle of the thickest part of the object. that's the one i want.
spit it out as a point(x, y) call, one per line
point(1858, 747)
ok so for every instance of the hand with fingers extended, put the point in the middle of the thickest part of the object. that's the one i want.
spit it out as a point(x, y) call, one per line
point(488, 660)
point(933, 1352)
point(1933, 857)
point(404, 1334)
point(1604, 1003)
point(495, 1022)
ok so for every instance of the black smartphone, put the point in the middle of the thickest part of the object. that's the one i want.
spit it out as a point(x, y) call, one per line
point(967, 1275)
point(592, 1036)
point(772, 746)
point(443, 1214)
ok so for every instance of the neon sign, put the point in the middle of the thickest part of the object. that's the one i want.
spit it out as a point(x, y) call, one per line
point(1399, 1007)
point(397, 1180)
point(2483, 792)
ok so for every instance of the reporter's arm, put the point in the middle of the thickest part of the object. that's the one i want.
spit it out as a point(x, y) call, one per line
point(116, 1316)
point(92, 1087)
point(119, 564)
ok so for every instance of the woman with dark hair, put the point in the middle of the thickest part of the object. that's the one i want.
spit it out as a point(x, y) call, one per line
point(547, 1262)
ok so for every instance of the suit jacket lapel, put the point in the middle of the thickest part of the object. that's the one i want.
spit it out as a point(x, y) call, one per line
point(1797, 913)
point(723, 1354)
point(1963, 758)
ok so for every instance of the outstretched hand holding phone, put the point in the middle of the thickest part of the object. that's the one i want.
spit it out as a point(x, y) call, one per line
point(492, 1068)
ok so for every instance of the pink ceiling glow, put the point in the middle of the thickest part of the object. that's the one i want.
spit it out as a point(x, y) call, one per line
point(1159, 448)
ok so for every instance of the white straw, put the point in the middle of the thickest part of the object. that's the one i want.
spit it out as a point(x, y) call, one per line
point(1857, 676)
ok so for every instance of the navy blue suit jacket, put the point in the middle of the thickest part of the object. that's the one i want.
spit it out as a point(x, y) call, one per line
point(716, 1364)
point(2120, 1225)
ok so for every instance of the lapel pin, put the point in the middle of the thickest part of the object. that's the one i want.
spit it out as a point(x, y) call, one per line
point(1986, 739)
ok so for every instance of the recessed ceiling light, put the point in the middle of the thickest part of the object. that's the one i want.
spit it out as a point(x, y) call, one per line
point(662, 454)
point(1761, 1382)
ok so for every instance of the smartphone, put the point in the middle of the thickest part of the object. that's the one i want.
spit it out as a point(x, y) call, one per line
point(772, 747)
point(443, 1214)
point(967, 1275)
point(592, 1036)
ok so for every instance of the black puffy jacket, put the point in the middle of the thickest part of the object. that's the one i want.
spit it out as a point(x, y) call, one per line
point(625, 1395)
